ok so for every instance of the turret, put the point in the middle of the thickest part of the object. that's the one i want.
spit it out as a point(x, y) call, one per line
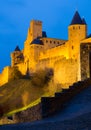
point(16, 56)
point(34, 31)
point(77, 30)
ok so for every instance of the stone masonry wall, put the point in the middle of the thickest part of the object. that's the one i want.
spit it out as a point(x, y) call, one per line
point(50, 105)
point(65, 71)
point(4, 75)
point(31, 114)
point(85, 50)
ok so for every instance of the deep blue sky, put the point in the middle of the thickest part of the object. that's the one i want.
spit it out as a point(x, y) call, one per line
point(15, 17)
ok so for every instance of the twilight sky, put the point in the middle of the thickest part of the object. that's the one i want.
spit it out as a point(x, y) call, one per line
point(56, 15)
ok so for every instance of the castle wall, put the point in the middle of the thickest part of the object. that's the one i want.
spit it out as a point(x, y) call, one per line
point(4, 76)
point(22, 68)
point(62, 50)
point(85, 58)
point(65, 71)
point(32, 114)
point(51, 105)
point(47, 62)
point(52, 42)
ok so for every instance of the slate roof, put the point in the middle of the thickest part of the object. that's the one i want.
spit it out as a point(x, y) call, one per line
point(37, 41)
point(89, 36)
point(17, 48)
point(44, 34)
point(83, 21)
point(77, 19)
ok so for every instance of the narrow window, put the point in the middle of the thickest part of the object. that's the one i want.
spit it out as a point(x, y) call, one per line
point(72, 47)
point(46, 41)
point(10, 117)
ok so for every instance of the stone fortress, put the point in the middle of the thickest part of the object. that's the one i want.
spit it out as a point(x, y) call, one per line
point(70, 59)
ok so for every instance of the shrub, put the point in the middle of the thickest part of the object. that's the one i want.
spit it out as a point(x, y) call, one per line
point(41, 77)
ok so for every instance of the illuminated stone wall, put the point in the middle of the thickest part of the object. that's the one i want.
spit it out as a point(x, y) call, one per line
point(32, 114)
point(85, 60)
point(62, 50)
point(52, 42)
point(4, 76)
point(65, 71)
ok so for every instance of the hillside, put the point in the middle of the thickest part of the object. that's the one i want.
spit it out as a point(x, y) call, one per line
point(22, 92)
point(76, 116)
point(19, 93)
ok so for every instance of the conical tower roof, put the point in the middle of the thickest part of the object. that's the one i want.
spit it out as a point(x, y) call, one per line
point(83, 21)
point(17, 48)
point(76, 19)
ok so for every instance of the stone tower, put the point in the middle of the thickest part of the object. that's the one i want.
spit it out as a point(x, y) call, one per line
point(32, 43)
point(77, 31)
point(16, 57)
point(34, 31)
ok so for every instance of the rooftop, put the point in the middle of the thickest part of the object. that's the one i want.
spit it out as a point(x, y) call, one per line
point(37, 41)
point(17, 48)
point(77, 19)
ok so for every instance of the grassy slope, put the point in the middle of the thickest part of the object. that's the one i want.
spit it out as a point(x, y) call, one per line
point(18, 94)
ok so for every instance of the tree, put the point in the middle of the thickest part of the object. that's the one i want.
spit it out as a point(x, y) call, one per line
point(41, 77)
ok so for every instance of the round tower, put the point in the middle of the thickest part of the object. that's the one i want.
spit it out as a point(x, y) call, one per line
point(77, 31)
point(15, 56)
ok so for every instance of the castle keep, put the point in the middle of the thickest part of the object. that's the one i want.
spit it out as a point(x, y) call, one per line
point(70, 59)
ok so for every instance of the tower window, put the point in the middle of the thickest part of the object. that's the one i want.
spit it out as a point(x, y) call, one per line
point(50, 41)
point(73, 27)
point(72, 47)
point(46, 41)
point(10, 117)
point(79, 27)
